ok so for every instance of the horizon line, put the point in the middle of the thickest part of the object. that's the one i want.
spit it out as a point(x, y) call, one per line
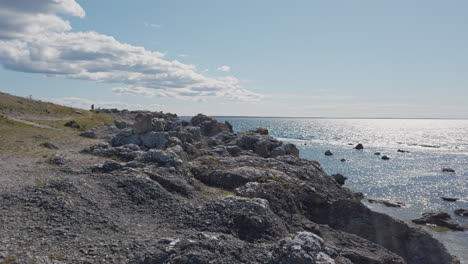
point(330, 117)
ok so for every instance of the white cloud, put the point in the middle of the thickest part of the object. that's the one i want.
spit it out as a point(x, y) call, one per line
point(224, 68)
point(152, 25)
point(34, 39)
point(84, 103)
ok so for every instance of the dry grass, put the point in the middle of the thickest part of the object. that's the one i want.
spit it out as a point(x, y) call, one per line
point(86, 120)
point(16, 104)
point(20, 139)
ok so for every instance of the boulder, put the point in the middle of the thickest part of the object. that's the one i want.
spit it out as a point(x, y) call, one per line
point(184, 136)
point(229, 126)
point(120, 124)
point(162, 158)
point(262, 148)
point(175, 125)
point(261, 131)
point(158, 124)
point(385, 157)
point(282, 202)
point(448, 170)
point(225, 136)
point(359, 146)
point(155, 139)
point(49, 145)
point(291, 149)
point(377, 153)
point(72, 124)
point(189, 148)
point(234, 177)
point(212, 127)
point(440, 219)
point(143, 123)
point(234, 150)
point(194, 131)
point(248, 219)
point(125, 132)
point(125, 140)
point(58, 159)
point(126, 152)
point(173, 141)
point(328, 153)
point(198, 119)
point(461, 212)
point(108, 166)
point(340, 179)
point(219, 150)
point(302, 248)
point(279, 151)
point(343, 160)
point(88, 134)
point(402, 151)
point(247, 142)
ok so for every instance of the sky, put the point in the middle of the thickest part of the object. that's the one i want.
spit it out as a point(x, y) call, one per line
point(399, 59)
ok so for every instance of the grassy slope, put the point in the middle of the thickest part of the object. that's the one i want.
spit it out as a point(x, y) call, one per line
point(20, 139)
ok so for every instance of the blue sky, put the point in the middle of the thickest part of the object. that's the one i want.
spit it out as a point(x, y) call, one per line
point(267, 58)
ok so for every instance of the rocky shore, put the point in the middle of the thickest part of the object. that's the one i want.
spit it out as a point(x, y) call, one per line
point(175, 191)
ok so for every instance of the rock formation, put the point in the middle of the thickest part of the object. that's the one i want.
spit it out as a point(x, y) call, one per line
point(175, 191)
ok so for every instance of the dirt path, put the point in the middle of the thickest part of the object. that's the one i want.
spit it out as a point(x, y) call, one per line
point(30, 123)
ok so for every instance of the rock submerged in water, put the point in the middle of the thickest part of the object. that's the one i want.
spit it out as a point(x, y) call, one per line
point(461, 212)
point(359, 146)
point(385, 202)
point(402, 151)
point(449, 199)
point(440, 219)
point(377, 153)
point(448, 170)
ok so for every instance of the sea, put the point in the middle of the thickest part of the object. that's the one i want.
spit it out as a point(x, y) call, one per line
point(414, 177)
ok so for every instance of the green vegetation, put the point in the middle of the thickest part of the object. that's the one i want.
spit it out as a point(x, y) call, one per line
point(9, 260)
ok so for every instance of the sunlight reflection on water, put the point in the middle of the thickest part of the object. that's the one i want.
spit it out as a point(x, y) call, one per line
point(414, 178)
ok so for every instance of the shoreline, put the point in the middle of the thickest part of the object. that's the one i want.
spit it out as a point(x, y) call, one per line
point(166, 190)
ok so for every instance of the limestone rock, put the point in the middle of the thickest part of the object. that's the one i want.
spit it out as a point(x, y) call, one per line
point(120, 124)
point(440, 219)
point(143, 123)
point(155, 139)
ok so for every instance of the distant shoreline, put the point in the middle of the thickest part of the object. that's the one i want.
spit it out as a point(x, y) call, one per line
point(370, 118)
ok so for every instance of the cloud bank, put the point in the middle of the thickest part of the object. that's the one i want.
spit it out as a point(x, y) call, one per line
point(35, 39)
